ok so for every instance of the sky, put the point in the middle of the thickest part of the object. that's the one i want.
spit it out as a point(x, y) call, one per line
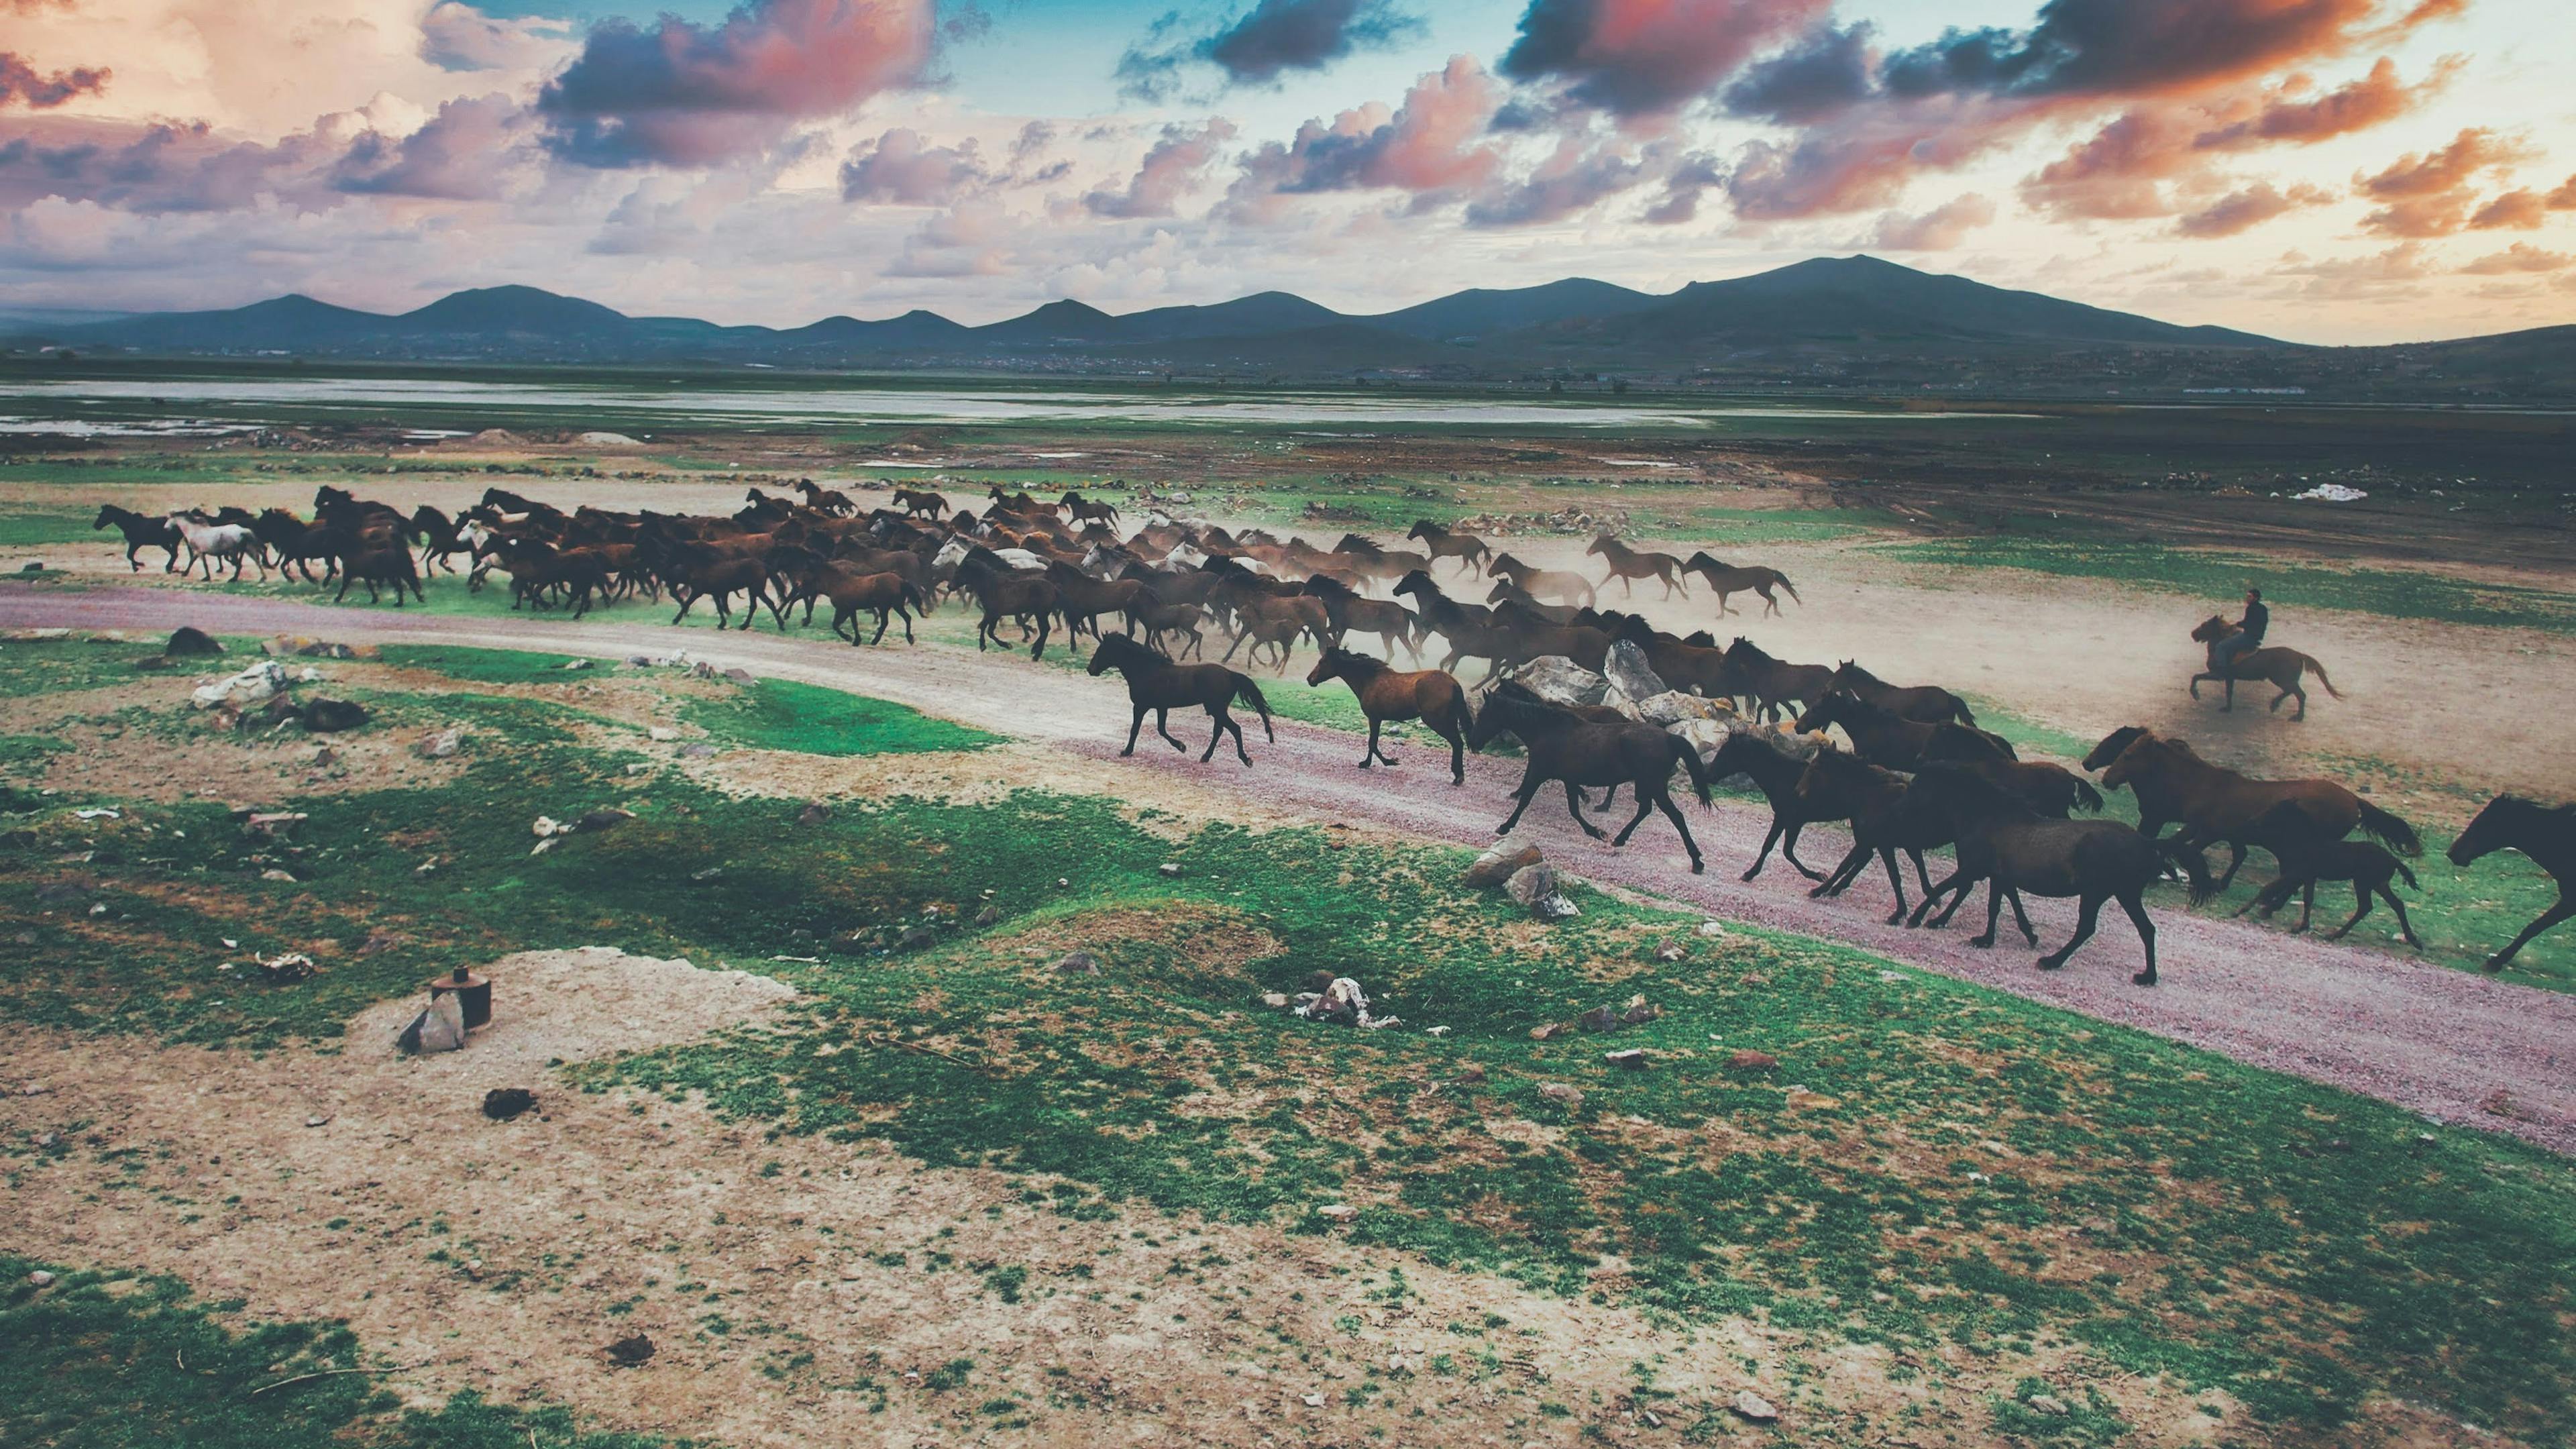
point(2337, 171)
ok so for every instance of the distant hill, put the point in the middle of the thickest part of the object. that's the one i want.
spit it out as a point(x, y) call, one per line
point(1831, 322)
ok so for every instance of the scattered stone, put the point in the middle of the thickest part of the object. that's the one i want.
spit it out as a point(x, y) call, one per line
point(739, 675)
point(1169, 870)
point(190, 643)
point(814, 813)
point(439, 1028)
point(710, 873)
point(1712, 929)
point(1632, 1059)
point(631, 1351)
point(286, 970)
point(2050, 1404)
point(32, 566)
point(273, 873)
point(1638, 1011)
point(662, 733)
point(1628, 672)
point(1079, 963)
point(697, 752)
point(1561, 681)
point(253, 684)
point(440, 745)
point(325, 757)
point(576, 664)
point(273, 823)
point(916, 937)
point(40, 1279)
point(544, 826)
point(1501, 863)
point(1275, 1000)
point(1599, 1018)
point(1435, 1031)
point(1754, 1407)
point(333, 716)
point(1707, 736)
point(1531, 884)
point(990, 915)
point(1551, 1031)
point(1342, 1002)
point(1340, 1212)
point(1672, 707)
point(1746, 1059)
point(504, 1103)
point(317, 1120)
point(1313, 1401)
point(1571, 1097)
point(1671, 951)
point(549, 843)
point(606, 819)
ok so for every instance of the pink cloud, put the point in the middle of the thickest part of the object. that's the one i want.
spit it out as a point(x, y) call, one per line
point(2250, 207)
point(1169, 171)
point(1647, 57)
point(1941, 229)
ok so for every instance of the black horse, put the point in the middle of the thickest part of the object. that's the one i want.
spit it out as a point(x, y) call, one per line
point(1156, 684)
point(141, 531)
point(2545, 833)
point(1565, 748)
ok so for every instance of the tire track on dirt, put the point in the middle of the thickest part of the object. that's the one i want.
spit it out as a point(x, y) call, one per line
point(2440, 1042)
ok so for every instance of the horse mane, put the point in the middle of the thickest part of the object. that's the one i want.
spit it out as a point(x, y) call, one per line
point(1752, 649)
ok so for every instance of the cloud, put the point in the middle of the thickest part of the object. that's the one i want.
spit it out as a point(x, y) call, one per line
point(1645, 58)
point(24, 84)
point(2372, 100)
point(1573, 180)
point(1824, 71)
point(2361, 278)
point(973, 240)
point(901, 167)
point(1431, 146)
point(2520, 257)
point(457, 37)
point(685, 94)
point(2129, 47)
point(1939, 230)
point(2563, 196)
point(460, 155)
point(2427, 194)
point(2250, 207)
point(1260, 45)
point(2518, 210)
point(1169, 171)
point(1691, 176)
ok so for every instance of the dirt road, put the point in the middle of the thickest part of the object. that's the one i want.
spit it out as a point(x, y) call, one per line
point(2453, 1046)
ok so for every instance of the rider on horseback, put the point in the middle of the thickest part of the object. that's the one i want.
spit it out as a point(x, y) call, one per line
point(2247, 638)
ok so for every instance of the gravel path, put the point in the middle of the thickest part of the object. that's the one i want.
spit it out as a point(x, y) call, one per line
point(2448, 1044)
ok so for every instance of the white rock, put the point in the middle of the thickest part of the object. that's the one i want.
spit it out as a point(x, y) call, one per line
point(1754, 1407)
point(254, 683)
point(40, 1279)
point(663, 733)
point(1340, 1212)
point(544, 826)
point(1673, 706)
point(1626, 669)
point(439, 1028)
point(1559, 680)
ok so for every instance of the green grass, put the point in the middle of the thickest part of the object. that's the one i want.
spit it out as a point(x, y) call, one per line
point(2221, 577)
point(28, 755)
point(783, 714)
point(485, 666)
point(106, 1360)
point(36, 527)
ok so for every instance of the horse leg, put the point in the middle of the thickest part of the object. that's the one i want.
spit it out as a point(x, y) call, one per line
point(1840, 877)
point(2565, 908)
point(1673, 812)
point(1722, 597)
point(1645, 807)
point(2086, 919)
point(1135, 725)
point(1920, 873)
point(2405, 927)
point(2361, 908)
point(2307, 907)
point(1574, 807)
point(1895, 882)
point(1368, 756)
point(1994, 908)
point(2299, 715)
point(1789, 850)
point(1163, 727)
point(1778, 829)
point(2235, 858)
point(2230, 706)
point(1527, 790)
point(1225, 720)
point(1770, 604)
point(343, 595)
point(1457, 755)
point(2021, 918)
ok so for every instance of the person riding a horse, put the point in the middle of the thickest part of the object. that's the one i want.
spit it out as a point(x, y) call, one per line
point(2247, 638)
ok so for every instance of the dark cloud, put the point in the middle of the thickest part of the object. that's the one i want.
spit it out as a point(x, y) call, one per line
point(1574, 180)
point(460, 155)
point(1638, 58)
point(23, 84)
point(1690, 178)
point(2245, 209)
point(2128, 47)
point(686, 94)
point(1824, 71)
point(1257, 46)
point(901, 167)
point(1170, 169)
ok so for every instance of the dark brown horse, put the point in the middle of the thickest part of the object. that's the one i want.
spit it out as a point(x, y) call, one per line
point(1566, 749)
point(920, 502)
point(1772, 683)
point(1929, 703)
point(2545, 833)
point(2307, 857)
point(2172, 782)
point(1387, 694)
point(1776, 775)
point(1628, 565)
point(1083, 510)
point(1467, 548)
point(2014, 850)
point(1725, 579)
point(1156, 684)
point(1886, 818)
point(2281, 668)
point(1885, 739)
point(141, 532)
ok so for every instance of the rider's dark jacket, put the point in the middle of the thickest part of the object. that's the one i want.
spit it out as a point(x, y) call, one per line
point(2256, 620)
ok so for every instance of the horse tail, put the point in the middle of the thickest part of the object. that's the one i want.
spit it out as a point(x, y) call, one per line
point(2086, 797)
point(910, 593)
point(2319, 670)
point(2411, 883)
point(2195, 867)
point(1959, 710)
point(2390, 831)
point(1793, 590)
point(1250, 693)
point(1698, 770)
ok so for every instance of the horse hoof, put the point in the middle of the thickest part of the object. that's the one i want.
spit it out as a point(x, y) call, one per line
point(2051, 963)
point(2143, 978)
point(1699, 867)
point(1981, 942)
point(2495, 963)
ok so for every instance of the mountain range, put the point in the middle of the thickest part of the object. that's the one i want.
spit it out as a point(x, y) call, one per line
point(1857, 321)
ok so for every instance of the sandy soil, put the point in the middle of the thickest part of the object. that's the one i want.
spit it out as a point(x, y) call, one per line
point(2438, 1041)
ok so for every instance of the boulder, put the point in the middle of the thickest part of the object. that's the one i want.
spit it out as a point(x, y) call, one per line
point(187, 642)
point(1501, 863)
point(252, 685)
point(1568, 1096)
point(1340, 1212)
point(1673, 706)
point(1531, 883)
point(1707, 736)
point(440, 745)
point(1632, 1059)
point(1343, 1001)
point(332, 716)
point(1627, 670)
point(1790, 742)
point(1599, 1018)
point(1639, 1011)
point(323, 649)
point(1746, 1059)
point(1754, 1407)
point(439, 1028)
point(501, 1104)
point(1080, 963)
point(1616, 698)
point(1559, 680)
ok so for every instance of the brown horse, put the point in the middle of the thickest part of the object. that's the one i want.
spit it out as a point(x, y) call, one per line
point(1725, 578)
point(1929, 703)
point(1157, 684)
point(1565, 588)
point(2546, 834)
point(2014, 850)
point(920, 502)
point(1564, 748)
point(1884, 738)
point(2282, 668)
point(1628, 565)
point(1467, 548)
point(1776, 775)
point(2307, 858)
point(881, 594)
point(1886, 817)
point(2214, 804)
point(1432, 696)
point(1771, 683)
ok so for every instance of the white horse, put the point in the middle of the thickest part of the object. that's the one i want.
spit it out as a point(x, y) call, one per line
point(208, 542)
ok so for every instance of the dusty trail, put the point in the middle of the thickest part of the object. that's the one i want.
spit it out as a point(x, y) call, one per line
point(2453, 1046)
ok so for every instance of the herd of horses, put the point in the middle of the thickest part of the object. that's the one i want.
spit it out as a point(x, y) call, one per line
point(1920, 775)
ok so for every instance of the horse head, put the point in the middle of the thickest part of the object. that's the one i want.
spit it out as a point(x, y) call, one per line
point(2112, 744)
point(2213, 629)
point(1418, 584)
point(2140, 759)
point(2506, 821)
point(1421, 529)
point(1600, 544)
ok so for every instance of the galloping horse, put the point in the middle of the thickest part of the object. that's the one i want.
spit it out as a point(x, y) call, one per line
point(1563, 747)
point(1157, 684)
point(2172, 782)
point(141, 532)
point(2546, 834)
point(1432, 696)
point(208, 542)
point(1726, 578)
point(920, 502)
point(1467, 548)
point(2281, 667)
point(1627, 565)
